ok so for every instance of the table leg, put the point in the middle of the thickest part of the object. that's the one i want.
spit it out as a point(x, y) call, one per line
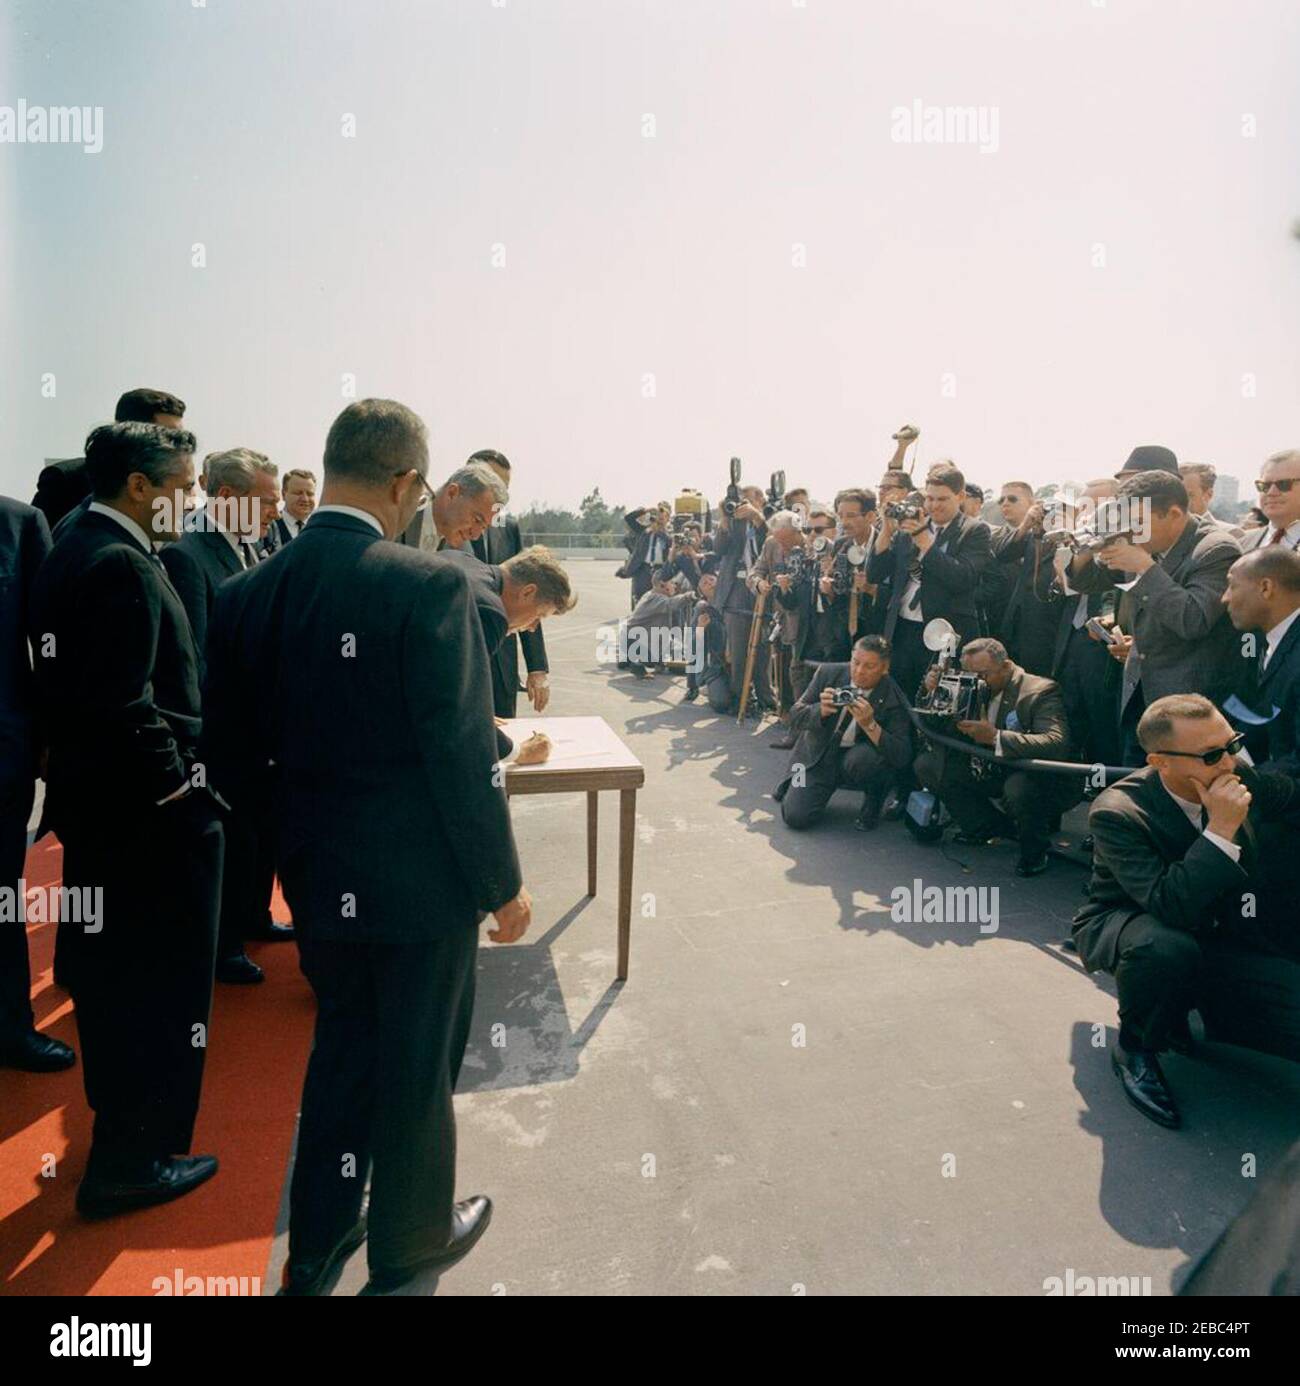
point(626, 844)
point(593, 805)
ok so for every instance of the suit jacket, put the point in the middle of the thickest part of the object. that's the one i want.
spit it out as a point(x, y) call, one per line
point(950, 574)
point(637, 542)
point(1275, 695)
point(1034, 608)
point(1182, 637)
point(24, 543)
point(60, 488)
point(1039, 728)
point(356, 669)
point(496, 544)
point(485, 587)
point(817, 735)
point(198, 563)
point(732, 596)
point(1148, 858)
point(119, 698)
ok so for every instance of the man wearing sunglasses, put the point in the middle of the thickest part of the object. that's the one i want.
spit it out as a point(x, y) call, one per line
point(1279, 499)
point(1176, 875)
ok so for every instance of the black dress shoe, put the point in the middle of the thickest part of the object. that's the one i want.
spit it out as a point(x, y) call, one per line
point(1068, 944)
point(308, 1277)
point(868, 819)
point(36, 1053)
point(270, 932)
point(783, 743)
point(240, 970)
point(691, 695)
point(894, 813)
point(469, 1221)
point(973, 839)
point(1144, 1085)
point(1032, 866)
point(101, 1196)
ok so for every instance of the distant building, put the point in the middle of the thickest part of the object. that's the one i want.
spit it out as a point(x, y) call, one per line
point(1227, 491)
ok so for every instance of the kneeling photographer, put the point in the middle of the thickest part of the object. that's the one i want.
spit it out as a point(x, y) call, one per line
point(854, 732)
point(1023, 718)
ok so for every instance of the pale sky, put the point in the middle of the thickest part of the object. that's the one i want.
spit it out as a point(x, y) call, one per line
point(960, 290)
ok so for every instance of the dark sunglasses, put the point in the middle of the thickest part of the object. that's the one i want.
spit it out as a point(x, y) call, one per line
point(821, 529)
point(1213, 757)
point(1283, 484)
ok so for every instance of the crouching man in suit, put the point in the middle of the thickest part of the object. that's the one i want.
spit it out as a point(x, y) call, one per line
point(1025, 720)
point(1176, 853)
point(862, 746)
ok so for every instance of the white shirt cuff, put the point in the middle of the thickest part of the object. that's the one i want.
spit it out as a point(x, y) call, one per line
point(1223, 844)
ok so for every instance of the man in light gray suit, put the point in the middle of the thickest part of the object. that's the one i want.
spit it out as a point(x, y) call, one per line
point(1279, 499)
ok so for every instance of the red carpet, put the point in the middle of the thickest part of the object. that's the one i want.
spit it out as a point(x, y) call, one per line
point(258, 1045)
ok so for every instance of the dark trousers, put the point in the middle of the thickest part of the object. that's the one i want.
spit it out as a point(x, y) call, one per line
point(782, 659)
point(801, 675)
point(641, 580)
point(1130, 750)
point(1090, 687)
point(738, 628)
point(716, 686)
point(909, 659)
point(15, 970)
point(1030, 800)
point(248, 876)
point(141, 983)
point(391, 1029)
point(1157, 972)
point(859, 767)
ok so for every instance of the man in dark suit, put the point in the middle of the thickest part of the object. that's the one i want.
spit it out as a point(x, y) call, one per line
point(1025, 719)
point(298, 500)
point(1176, 876)
point(221, 540)
point(118, 678)
point(499, 541)
point(357, 668)
point(738, 545)
point(458, 511)
point(1031, 616)
point(1180, 636)
point(24, 543)
point(648, 539)
point(1263, 596)
point(933, 566)
point(864, 745)
point(1088, 676)
point(64, 487)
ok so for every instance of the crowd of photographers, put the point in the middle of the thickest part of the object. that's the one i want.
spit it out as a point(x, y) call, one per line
point(1117, 642)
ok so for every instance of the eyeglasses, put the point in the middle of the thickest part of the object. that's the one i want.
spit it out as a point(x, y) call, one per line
point(821, 529)
point(1213, 757)
point(1283, 484)
point(429, 492)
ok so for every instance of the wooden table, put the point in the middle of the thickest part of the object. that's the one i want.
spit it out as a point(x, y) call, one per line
point(587, 757)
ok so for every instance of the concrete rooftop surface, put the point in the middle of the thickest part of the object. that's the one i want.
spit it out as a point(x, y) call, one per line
point(792, 1093)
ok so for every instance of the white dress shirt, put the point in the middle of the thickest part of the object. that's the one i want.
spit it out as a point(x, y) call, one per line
point(127, 523)
point(369, 518)
point(1275, 637)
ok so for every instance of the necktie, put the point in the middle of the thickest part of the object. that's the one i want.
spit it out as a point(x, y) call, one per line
point(1276, 539)
point(247, 553)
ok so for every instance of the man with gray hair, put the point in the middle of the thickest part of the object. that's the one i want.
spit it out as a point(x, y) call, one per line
point(459, 510)
point(221, 540)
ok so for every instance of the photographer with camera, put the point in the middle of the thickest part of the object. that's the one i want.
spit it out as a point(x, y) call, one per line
point(854, 732)
point(648, 540)
point(775, 574)
point(855, 511)
point(932, 556)
point(706, 666)
point(1175, 572)
point(742, 533)
point(1031, 616)
point(1024, 718)
point(821, 627)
